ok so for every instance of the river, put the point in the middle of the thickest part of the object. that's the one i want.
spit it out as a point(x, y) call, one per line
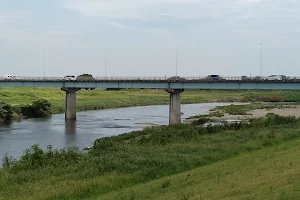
point(90, 125)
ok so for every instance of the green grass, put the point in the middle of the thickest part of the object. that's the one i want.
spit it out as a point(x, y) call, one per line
point(271, 173)
point(118, 167)
point(101, 99)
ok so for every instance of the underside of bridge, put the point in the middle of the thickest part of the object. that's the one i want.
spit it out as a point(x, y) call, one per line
point(174, 110)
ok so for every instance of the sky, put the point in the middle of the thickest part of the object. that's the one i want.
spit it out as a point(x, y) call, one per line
point(141, 37)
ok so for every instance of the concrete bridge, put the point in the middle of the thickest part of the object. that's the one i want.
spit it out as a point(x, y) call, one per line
point(174, 86)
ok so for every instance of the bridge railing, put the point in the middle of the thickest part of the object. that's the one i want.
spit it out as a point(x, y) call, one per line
point(158, 78)
point(118, 78)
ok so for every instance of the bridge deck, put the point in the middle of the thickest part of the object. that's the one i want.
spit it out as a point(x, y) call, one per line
point(158, 84)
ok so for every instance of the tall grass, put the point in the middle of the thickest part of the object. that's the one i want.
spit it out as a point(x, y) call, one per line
point(137, 157)
point(101, 99)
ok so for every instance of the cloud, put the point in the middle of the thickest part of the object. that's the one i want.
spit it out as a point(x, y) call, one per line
point(163, 33)
point(251, 1)
point(166, 18)
point(186, 10)
point(10, 17)
point(141, 10)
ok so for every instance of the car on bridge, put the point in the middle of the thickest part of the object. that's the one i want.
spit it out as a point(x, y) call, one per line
point(276, 78)
point(70, 78)
point(7, 76)
point(246, 78)
point(176, 78)
point(11, 77)
point(214, 77)
point(85, 77)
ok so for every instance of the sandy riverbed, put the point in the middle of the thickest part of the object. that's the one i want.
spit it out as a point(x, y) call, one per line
point(295, 111)
point(257, 113)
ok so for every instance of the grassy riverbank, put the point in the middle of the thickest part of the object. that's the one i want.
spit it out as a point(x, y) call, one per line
point(270, 173)
point(123, 167)
point(101, 99)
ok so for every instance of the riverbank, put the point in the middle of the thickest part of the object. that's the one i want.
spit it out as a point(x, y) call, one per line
point(101, 99)
point(118, 167)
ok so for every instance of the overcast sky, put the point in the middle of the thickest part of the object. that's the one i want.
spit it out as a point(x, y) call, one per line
point(213, 37)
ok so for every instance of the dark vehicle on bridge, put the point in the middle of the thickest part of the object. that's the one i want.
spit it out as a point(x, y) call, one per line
point(251, 78)
point(85, 77)
point(176, 78)
point(214, 77)
point(257, 78)
point(245, 78)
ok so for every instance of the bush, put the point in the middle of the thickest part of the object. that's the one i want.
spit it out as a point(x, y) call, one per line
point(41, 108)
point(200, 121)
point(6, 112)
point(35, 157)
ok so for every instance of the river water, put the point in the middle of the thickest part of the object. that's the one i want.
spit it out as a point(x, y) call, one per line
point(90, 125)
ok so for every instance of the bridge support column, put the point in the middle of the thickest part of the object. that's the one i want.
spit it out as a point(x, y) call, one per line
point(70, 108)
point(175, 106)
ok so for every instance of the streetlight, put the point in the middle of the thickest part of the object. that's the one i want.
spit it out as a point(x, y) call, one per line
point(44, 64)
point(176, 59)
point(105, 62)
point(261, 58)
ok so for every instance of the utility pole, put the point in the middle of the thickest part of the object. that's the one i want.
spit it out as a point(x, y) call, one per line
point(261, 58)
point(105, 62)
point(44, 64)
point(176, 59)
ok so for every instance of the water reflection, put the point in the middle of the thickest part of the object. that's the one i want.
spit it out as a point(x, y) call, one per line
point(70, 133)
point(70, 127)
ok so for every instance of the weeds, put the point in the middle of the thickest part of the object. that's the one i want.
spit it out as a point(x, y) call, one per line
point(166, 183)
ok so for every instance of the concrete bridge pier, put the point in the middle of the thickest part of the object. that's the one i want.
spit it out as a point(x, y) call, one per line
point(70, 108)
point(175, 106)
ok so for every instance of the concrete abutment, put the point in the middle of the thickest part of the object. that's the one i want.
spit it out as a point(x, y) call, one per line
point(175, 106)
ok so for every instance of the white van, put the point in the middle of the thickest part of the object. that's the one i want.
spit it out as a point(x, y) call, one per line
point(6, 76)
point(70, 78)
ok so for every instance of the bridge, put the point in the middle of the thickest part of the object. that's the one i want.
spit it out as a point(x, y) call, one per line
point(174, 86)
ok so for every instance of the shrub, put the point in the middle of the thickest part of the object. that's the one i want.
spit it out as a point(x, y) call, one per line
point(35, 157)
point(6, 112)
point(41, 108)
point(200, 121)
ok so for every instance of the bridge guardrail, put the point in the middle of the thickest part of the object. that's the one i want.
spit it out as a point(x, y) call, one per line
point(160, 78)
